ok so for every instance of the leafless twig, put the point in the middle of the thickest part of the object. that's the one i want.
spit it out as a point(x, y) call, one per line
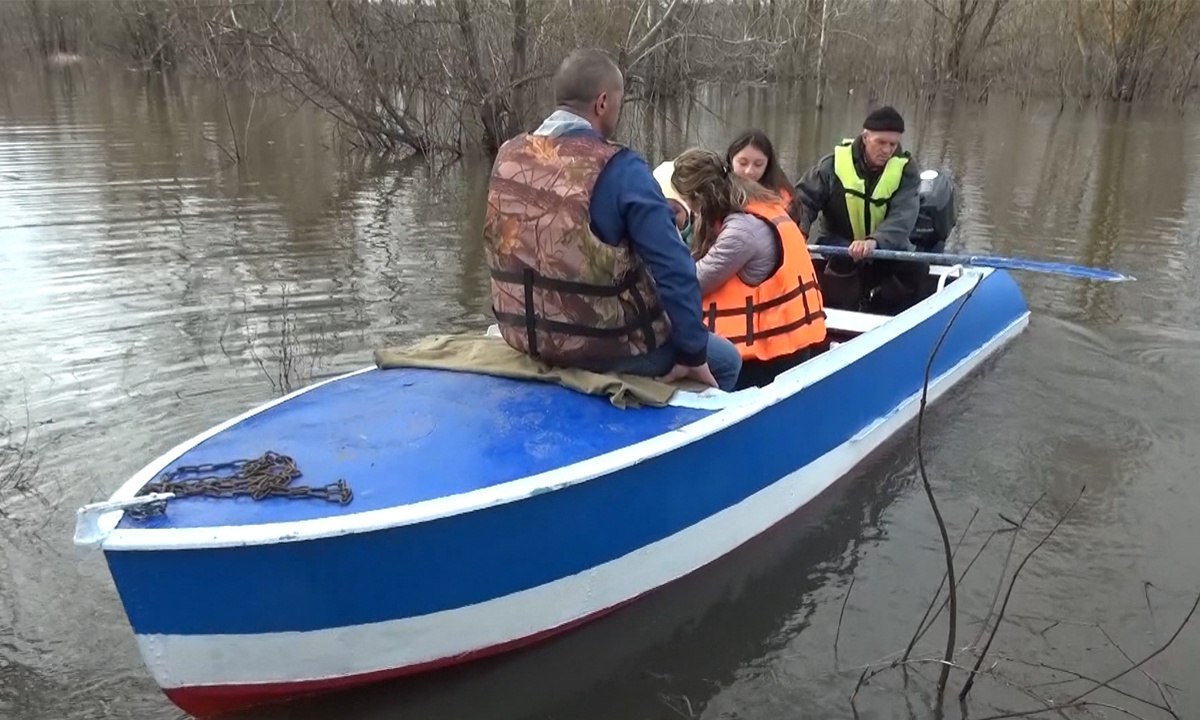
point(841, 614)
point(1018, 526)
point(938, 592)
point(962, 696)
point(966, 571)
point(949, 552)
point(1081, 676)
point(1079, 701)
point(1144, 660)
point(1157, 684)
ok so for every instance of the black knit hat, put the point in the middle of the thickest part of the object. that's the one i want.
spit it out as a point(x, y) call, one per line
point(885, 119)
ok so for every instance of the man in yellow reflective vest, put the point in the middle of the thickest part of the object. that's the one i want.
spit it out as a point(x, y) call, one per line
point(866, 193)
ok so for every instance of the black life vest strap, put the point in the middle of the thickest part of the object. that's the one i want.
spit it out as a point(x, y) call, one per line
point(878, 202)
point(529, 279)
point(748, 339)
point(748, 312)
point(802, 287)
point(647, 320)
point(529, 319)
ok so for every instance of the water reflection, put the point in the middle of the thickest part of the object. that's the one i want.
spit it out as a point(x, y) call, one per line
point(155, 282)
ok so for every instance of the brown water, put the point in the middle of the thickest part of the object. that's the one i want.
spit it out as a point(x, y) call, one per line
point(150, 289)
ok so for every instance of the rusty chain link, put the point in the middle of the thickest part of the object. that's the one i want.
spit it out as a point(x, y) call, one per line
point(261, 477)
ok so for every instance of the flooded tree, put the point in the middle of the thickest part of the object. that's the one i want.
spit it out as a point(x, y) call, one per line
point(447, 75)
point(1124, 44)
point(969, 27)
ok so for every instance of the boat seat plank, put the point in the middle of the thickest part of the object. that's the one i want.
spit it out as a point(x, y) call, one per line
point(852, 322)
point(402, 436)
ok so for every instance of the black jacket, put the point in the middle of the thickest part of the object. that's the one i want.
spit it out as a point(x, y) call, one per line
point(820, 192)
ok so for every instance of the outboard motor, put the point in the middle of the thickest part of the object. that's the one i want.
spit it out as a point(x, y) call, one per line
point(911, 282)
point(938, 213)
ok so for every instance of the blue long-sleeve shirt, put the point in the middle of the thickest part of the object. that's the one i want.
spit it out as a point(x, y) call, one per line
point(627, 202)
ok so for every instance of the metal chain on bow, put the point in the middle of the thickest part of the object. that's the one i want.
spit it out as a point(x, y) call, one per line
point(269, 475)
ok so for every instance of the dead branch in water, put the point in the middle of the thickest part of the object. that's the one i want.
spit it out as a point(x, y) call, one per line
point(1106, 683)
point(1159, 685)
point(1017, 527)
point(18, 461)
point(21, 454)
point(1165, 707)
point(952, 585)
point(1078, 700)
point(948, 661)
point(921, 630)
point(288, 357)
point(962, 696)
point(937, 593)
point(841, 615)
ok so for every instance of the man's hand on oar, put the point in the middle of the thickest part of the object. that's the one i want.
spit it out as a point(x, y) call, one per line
point(861, 249)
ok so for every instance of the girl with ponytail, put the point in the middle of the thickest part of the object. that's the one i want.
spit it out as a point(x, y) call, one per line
point(758, 286)
point(726, 240)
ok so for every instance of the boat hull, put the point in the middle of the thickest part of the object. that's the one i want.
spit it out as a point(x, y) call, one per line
point(226, 625)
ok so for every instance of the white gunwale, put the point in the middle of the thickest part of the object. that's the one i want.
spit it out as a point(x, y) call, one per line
point(190, 661)
point(738, 406)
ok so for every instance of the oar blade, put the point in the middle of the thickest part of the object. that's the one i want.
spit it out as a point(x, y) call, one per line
point(1042, 266)
point(1004, 263)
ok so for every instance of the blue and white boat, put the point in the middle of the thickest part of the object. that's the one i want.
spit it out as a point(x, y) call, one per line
point(489, 512)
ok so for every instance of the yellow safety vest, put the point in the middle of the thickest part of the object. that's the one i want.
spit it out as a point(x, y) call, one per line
point(858, 202)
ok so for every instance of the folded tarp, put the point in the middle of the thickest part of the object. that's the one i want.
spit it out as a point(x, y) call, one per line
point(490, 355)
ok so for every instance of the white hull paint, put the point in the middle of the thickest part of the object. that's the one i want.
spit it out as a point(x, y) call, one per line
point(179, 661)
point(734, 408)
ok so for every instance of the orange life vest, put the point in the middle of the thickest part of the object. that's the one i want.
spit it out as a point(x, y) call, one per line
point(781, 315)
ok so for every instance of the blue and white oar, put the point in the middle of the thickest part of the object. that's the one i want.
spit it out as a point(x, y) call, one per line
point(1005, 263)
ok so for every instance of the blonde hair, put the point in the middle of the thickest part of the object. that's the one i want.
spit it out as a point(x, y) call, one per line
point(713, 190)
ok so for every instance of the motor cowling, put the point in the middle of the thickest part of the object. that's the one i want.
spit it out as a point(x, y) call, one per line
point(938, 213)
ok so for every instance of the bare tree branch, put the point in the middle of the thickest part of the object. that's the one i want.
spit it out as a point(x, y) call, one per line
point(1143, 661)
point(938, 591)
point(639, 51)
point(962, 696)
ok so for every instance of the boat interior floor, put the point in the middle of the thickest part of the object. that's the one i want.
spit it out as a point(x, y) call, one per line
point(846, 321)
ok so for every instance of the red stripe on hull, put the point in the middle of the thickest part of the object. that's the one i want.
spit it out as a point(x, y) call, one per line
point(206, 701)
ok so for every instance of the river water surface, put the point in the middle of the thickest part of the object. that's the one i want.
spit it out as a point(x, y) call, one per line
point(150, 288)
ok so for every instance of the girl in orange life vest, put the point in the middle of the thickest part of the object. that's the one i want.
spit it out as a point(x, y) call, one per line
point(752, 156)
point(757, 281)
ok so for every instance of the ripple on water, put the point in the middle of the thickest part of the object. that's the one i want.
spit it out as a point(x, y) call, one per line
point(155, 285)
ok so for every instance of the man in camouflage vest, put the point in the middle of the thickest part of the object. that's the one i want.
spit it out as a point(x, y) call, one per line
point(586, 265)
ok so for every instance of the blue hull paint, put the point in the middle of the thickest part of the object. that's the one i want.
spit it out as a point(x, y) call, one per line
point(463, 559)
point(406, 435)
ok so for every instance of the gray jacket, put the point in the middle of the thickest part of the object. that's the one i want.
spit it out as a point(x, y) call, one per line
point(746, 246)
point(820, 192)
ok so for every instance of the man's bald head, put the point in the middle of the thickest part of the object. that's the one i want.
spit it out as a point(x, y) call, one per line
point(590, 83)
point(583, 75)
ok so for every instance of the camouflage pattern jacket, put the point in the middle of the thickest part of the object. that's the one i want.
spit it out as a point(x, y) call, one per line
point(559, 293)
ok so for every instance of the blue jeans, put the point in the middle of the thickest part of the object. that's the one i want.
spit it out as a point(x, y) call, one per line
point(723, 360)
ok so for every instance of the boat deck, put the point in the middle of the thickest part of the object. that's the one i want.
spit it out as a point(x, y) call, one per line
point(402, 436)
